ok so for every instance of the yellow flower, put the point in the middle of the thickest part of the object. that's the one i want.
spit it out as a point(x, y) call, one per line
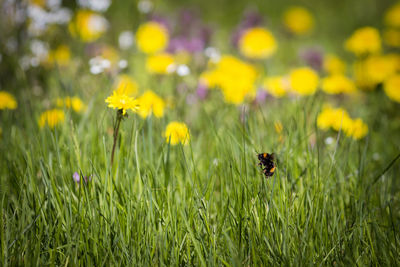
point(71, 102)
point(392, 87)
point(339, 119)
point(365, 40)
point(60, 56)
point(275, 85)
point(125, 85)
point(257, 43)
point(391, 37)
point(88, 26)
point(51, 118)
point(392, 16)
point(41, 3)
point(278, 127)
point(234, 77)
point(122, 102)
point(151, 37)
point(177, 132)
point(334, 65)
point(150, 103)
point(161, 63)
point(298, 20)
point(304, 81)
point(374, 70)
point(357, 129)
point(336, 118)
point(338, 83)
point(7, 101)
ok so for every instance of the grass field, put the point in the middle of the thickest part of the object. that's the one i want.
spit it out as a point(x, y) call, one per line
point(332, 200)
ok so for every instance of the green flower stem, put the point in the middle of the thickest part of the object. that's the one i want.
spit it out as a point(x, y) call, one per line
point(115, 135)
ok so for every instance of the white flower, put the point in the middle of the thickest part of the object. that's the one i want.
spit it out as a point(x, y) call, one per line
point(125, 40)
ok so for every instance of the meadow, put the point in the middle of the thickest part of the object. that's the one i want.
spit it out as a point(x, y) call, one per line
point(131, 131)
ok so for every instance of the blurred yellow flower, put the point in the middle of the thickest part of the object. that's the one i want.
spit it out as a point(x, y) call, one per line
point(365, 40)
point(304, 81)
point(71, 102)
point(41, 3)
point(122, 102)
point(125, 85)
point(150, 103)
point(275, 85)
point(7, 101)
point(51, 118)
point(334, 65)
point(234, 77)
point(338, 119)
point(391, 37)
point(278, 127)
point(177, 132)
point(337, 84)
point(392, 87)
point(357, 129)
point(88, 26)
point(332, 118)
point(374, 70)
point(151, 37)
point(257, 43)
point(161, 63)
point(60, 56)
point(298, 20)
point(392, 16)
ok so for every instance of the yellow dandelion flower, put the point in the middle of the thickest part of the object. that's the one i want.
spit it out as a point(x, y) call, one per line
point(357, 129)
point(257, 43)
point(365, 40)
point(161, 63)
point(374, 70)
point(151, 37)
point(392, 87)
point(60, 56)
point(125, 85)
point(334, 65)
point(298, 20)
point(276, 86)
point(304, 81)
point(52, 118)
point(234, 77)
point(88, 25)
point(337, 84)
point(7, 101)
point(177, 132)
point(71, 102)
point(150, 103)
point(391, 37)
point(122, 102)
point(392, 16)
point(336, 118)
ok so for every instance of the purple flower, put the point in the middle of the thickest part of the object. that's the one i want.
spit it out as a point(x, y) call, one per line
point(162, 20)
point(202, 91)
point(261, 96)
point(76, 177)
point(313, 57)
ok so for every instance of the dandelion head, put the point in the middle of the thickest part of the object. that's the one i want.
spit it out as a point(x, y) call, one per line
point(363, 41)
point(177, 132)
point(51, 118)
point(257, 43)
point(298, 20)
point(304, 81)
point(7, 101)
point(151, 37)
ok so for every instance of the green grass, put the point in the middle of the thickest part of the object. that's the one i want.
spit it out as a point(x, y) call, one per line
point(203, 204)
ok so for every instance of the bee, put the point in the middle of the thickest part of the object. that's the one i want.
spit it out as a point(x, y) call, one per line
point(267, 163)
